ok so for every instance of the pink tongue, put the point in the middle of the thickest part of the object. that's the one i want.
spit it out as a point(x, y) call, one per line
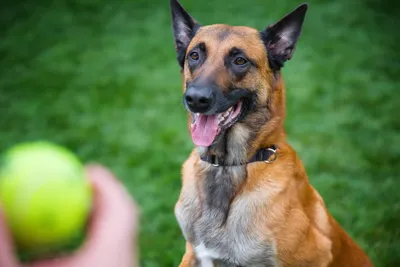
point(204, 130)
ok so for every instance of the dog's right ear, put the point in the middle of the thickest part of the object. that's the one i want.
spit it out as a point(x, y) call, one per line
point(184, 28)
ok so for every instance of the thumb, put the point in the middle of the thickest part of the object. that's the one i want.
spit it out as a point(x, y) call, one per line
point(7, 256)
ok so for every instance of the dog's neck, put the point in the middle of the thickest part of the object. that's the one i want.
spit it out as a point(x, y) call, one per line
point(221, 184)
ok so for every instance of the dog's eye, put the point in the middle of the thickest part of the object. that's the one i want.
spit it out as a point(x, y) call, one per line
point(240, 61)
point(194, 56)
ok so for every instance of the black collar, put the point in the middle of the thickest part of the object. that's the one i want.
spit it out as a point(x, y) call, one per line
point(263, 154)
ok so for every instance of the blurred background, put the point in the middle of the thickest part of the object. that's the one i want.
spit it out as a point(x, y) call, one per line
point(100, 77)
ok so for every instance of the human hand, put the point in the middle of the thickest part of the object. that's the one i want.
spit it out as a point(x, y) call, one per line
point(111, 236)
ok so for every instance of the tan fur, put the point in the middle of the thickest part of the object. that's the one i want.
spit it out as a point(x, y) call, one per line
point(283, 208)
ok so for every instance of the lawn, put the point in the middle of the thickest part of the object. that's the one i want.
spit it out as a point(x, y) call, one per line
point(100, 77)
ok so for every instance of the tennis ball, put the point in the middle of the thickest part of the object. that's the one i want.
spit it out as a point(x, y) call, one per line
point(44, 195)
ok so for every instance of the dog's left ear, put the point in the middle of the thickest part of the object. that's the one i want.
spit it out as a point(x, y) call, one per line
point(184, 28)
point(280, 38)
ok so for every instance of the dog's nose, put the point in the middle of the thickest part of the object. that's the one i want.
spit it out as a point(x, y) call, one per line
point(199, 100)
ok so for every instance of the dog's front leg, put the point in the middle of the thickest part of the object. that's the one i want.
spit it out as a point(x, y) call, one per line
point(189, 259)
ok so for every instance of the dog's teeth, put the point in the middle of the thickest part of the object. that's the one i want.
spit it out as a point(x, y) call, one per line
point(221, 118)
point(194, 117)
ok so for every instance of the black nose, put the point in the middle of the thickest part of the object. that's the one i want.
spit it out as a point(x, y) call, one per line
point(199, 100)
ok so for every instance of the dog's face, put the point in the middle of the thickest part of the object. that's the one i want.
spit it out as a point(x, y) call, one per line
point(229, 71)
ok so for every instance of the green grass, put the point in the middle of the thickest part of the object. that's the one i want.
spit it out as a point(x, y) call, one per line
point(100, 77)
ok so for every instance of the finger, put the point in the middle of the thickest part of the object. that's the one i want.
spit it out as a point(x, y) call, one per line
point(114, 208)
point(115, 217)
point(7, 256)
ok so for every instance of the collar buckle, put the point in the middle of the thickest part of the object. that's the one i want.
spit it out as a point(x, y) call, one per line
point(214, 161)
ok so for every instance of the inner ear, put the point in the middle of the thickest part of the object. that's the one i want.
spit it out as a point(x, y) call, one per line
point(280, 38)
point(184, 28)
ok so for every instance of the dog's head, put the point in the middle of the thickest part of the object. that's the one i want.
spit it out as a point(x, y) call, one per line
point(229, 72)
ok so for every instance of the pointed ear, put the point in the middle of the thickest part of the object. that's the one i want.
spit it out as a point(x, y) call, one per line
point(184, 28)
point(280, 38)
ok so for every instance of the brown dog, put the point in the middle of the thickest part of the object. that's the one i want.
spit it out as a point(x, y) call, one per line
point(246, 199)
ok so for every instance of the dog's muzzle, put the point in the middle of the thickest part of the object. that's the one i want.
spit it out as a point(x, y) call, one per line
point(213, 111)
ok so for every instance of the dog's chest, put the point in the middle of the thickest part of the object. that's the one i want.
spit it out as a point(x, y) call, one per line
point(221, 229)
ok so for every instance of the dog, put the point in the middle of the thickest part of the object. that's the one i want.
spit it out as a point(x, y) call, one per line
point(246, 199)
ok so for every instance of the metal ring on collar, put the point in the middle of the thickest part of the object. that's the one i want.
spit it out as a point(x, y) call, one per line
point(274, 155)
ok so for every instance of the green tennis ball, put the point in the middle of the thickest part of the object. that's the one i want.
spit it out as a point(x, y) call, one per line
point(45, 196)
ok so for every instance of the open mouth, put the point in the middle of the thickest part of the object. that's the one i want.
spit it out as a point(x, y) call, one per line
point(205, 128)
